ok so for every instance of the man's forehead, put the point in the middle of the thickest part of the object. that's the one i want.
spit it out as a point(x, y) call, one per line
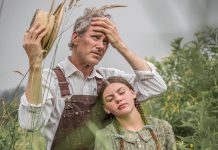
point(91, 30)
point(100, 34)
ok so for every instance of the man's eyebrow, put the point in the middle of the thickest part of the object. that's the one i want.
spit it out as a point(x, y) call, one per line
point(98, 33)
point(95, 34)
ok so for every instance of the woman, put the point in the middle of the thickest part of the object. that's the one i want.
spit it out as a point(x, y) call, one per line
point(130, 129)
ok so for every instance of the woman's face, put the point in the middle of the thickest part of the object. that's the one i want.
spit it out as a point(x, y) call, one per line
point(118, 99)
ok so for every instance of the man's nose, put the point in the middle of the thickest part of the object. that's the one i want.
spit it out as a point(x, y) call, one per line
point(100, 45)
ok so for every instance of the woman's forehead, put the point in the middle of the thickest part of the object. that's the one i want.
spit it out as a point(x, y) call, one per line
point(113, 87)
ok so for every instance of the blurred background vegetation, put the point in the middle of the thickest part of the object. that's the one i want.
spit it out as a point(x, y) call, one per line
point(190, 103)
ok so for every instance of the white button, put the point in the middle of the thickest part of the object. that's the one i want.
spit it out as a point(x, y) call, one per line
point(140, 146)
point(138, 140)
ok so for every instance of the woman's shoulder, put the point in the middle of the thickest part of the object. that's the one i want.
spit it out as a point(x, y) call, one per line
point(164, 132)
point(163, 127)
point(107, 130)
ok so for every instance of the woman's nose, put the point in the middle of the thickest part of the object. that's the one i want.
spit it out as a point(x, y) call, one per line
point(118, 98)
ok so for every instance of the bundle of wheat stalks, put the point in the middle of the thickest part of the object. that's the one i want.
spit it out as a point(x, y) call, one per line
point(52, 22)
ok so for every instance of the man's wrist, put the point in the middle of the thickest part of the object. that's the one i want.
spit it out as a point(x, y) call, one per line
point(121, 47)
point(35, 66)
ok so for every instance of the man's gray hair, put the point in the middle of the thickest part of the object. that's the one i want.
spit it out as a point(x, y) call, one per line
point(83, 22)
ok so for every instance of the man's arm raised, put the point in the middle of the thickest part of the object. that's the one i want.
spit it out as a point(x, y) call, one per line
point(148, 83)
point(33, 48)
point(105, 25)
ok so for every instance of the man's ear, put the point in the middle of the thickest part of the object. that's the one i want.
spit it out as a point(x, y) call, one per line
point(106, 110)
point(75, 37)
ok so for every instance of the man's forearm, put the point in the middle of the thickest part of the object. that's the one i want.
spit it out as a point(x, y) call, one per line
point(135, 61)
point(34, 89)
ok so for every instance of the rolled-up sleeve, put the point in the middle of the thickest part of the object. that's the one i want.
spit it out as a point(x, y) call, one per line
point(29, 115)
point(32, 117)
point(148, 83)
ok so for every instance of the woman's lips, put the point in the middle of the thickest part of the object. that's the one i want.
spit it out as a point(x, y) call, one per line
point(121, 106)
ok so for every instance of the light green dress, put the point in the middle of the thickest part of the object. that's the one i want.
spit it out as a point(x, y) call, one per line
point(108, 139)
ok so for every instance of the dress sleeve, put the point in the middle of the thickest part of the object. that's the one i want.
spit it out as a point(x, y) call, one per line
point(148, 83)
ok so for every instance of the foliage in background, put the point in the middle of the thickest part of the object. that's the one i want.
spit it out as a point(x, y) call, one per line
point(191, 101)
point(9, 95)
point(11, 135)
point(8, 125)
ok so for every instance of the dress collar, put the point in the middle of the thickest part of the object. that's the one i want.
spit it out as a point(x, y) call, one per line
point(132, 136)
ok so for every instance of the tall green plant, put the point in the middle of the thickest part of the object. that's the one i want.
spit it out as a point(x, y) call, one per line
point(8, 125)
point(11, 135)
point(191, 101)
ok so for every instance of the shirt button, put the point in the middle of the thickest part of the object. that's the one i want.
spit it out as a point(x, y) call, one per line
point(140, 146)
point(138, 140)
point(76, 113)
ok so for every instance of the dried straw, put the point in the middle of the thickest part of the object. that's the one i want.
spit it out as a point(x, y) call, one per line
point(52, 22)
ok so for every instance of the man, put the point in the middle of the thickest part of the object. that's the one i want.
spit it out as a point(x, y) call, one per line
point(62, 101)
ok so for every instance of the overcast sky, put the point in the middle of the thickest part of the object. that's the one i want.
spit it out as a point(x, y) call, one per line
point(146, 26)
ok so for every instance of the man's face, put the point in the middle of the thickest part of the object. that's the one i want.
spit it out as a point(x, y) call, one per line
point(90, 47)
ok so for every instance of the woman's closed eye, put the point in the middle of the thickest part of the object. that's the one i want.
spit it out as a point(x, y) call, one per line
point(109, 99)
point(121, 91)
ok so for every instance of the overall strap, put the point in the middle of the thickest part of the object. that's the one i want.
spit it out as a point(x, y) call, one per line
point(62, 82)
point(64, 85)
point(99, 82)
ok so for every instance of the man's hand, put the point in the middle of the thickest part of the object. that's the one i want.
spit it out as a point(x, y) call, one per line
point(32, 43)
point(106, 26)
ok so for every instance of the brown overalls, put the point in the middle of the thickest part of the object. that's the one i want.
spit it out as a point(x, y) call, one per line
point(73, 132)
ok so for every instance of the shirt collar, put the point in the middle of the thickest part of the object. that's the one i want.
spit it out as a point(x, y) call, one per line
point(95, 74)
point(69, 69)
